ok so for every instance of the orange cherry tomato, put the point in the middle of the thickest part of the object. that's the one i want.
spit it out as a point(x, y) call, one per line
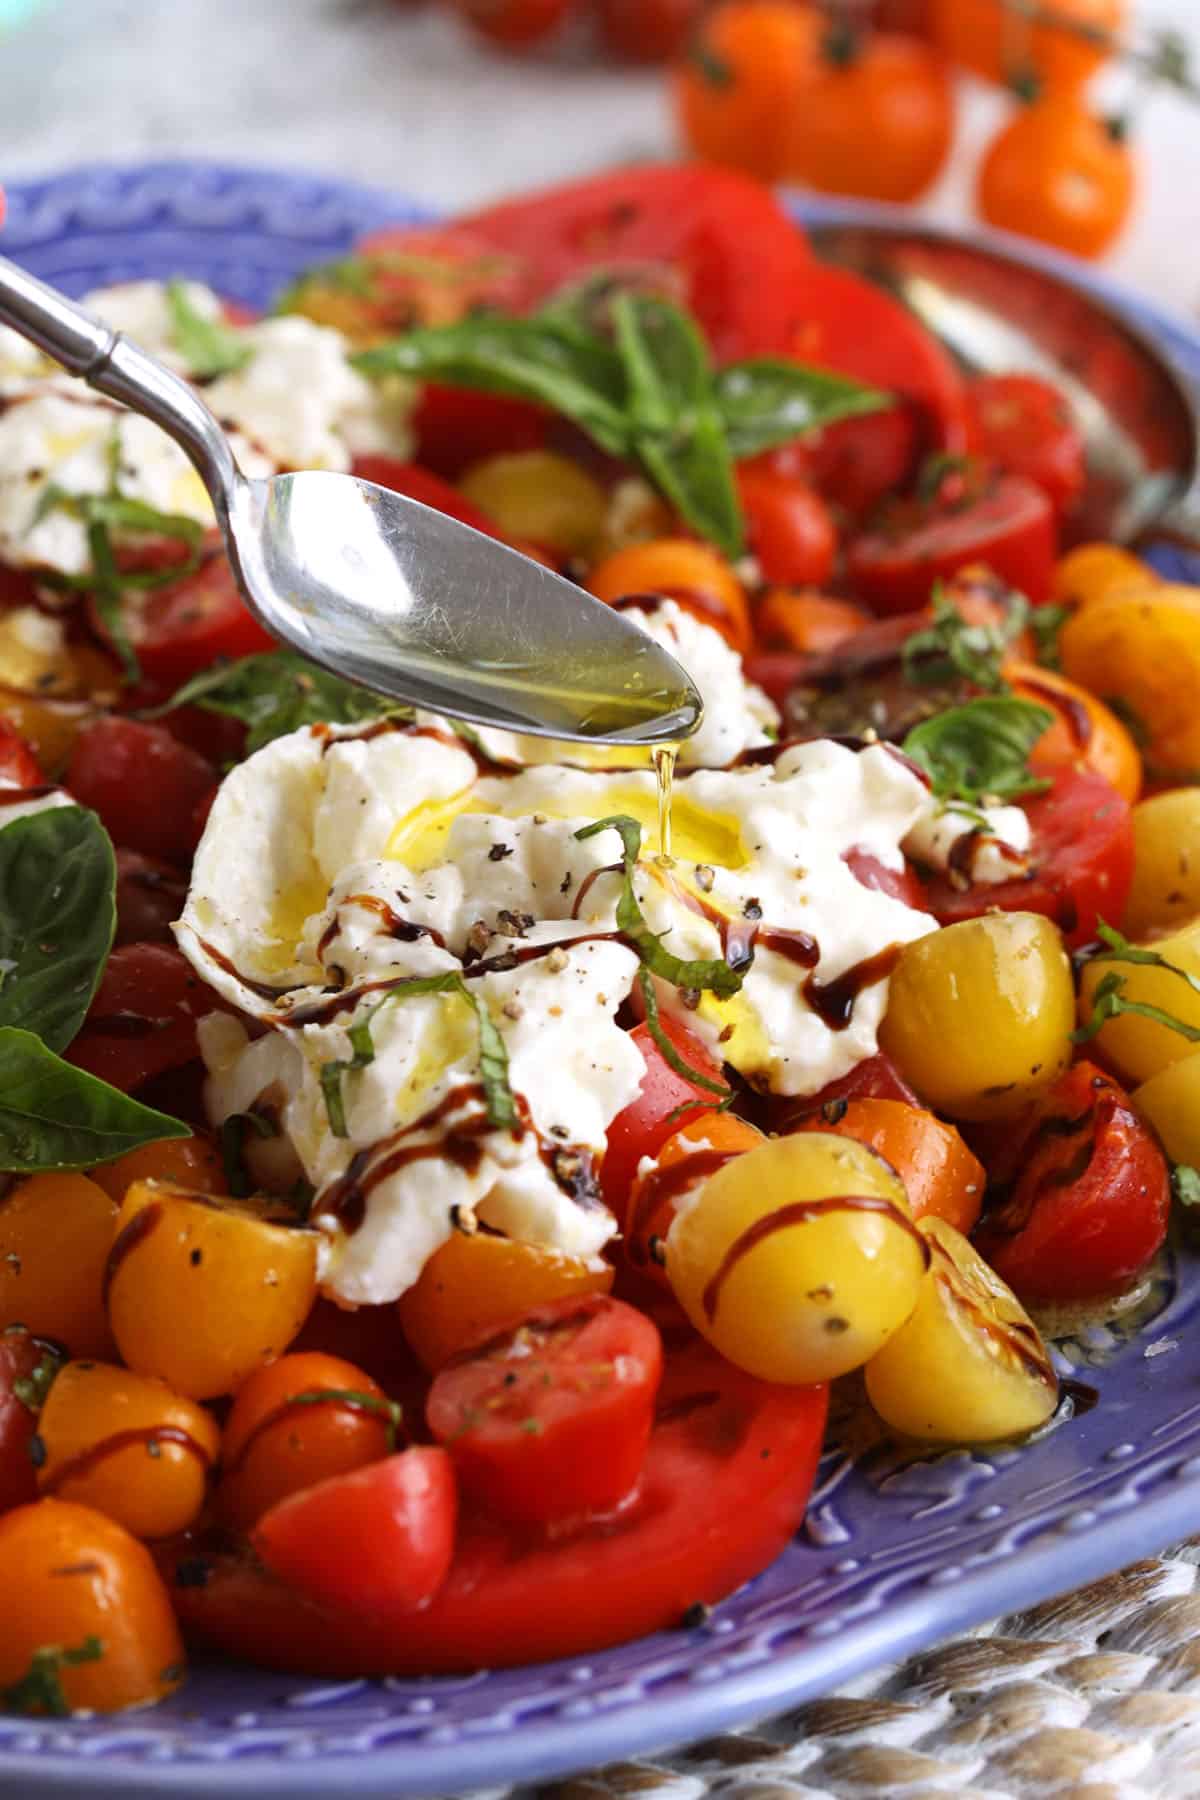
point(876, 119)
point(296, 1422)
point(127, 1446)
point(474, 1285)
point(55, 1236)
point(939, 1173)
point(989, 37)
point(688, 1157)
point(1058, 173)
point(83, 1606)
point(740, 80)
point(203, 1291)
point(188, 1162)
point(1094, 571)
point(698, 577)
point(785, 619)
point(1086, 734)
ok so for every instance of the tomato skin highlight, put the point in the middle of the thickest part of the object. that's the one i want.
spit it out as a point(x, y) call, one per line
point(399, 1514)
point(1092, 1200)
point(1081, 862)
point(646, 1123)
point(724, 1487)
point(550, 1421)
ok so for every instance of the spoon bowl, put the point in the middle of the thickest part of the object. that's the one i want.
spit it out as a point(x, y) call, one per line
point(380, 589)
point(1001, 311)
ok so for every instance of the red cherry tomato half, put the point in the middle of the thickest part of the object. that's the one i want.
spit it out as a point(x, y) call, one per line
point(1081, 862)
point(789, 530)
point(550, 1421)
point(21, 1357)
point(724, 1486)
point(456, 427)
point(142, 1020)
point(150, 895)
point(19, 767)
point(377, 1540)
point(418, 484)
point(712, 238)
point(1092, 1199)
point(856, 463)
point(1008, 523)
point(183, 627)
point(646, 1123)
point(144, 784)
point(1023, 427)
point(875, 1078)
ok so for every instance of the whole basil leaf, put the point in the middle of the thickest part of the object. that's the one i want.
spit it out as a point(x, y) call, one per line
point(276, 692)
point(57, 918)
point(981, 750)
point(678, 434)
point(766, 401)
point(563, 368)
point(54, 1116)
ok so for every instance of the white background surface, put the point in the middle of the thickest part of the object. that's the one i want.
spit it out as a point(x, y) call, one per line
point(401, 98)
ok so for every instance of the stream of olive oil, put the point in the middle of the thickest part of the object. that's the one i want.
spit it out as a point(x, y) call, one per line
point(664, 768)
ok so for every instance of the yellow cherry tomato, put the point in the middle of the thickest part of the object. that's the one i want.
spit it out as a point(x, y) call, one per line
point(1166, 863)
point(1142, 650)
point(1094, 571)
point(1136, 1047)
point(968, 1365)
point(980, 1014)
point(188, 1162)
point(55, 1235)
point(127, 1446)
point(203, 1291)
point(1170, 1102)
point(1085, 734)
point(799, 1259)
point(539, 495)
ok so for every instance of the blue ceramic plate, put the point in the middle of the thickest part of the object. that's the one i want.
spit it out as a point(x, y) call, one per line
point(898, 1551)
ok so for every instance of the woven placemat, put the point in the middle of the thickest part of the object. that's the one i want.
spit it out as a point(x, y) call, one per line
point(1095, 1696)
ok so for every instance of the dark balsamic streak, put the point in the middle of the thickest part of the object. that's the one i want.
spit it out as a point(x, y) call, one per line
point(801, 1212)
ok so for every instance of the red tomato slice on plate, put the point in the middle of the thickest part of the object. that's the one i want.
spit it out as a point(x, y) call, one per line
point(550, 1421)
point(724, 1487)
point(646, 1123)
point(183, 627)
point(1092, 1201)
point(715, 240)
point(142, 1021)
point(1081, 862)
point(377, 1541)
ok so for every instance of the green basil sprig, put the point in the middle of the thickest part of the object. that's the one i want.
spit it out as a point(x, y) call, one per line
point(39, 1693)
point(209, 347)
point(276, 692)
point(952, 646)
point(57, 919)
point(55, 1116)
point(980, 751)
point(632, 370)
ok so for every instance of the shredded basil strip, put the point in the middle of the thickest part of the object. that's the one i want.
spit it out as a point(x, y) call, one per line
point(39, 1692)
point(390, 1410)
point(1185, 1184)
point(1121, 950)
point(1108, 1002)
point(209, 347)
point(493, 1055)
point(667, 1050)
point(951, 646)
point(980, 751)
point(715, 976)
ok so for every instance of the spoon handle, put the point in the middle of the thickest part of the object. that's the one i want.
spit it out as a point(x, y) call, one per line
point(108, 362)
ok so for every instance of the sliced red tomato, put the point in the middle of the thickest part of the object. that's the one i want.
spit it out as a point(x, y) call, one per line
point(647, 1122)
point(150, 895)
point(1092, 1200)
point(142, 1021)
point(23, 1359)
point(1001, 520)
point(550, 1421)
point(723, 1489)
point(1023, 426)
point(852, 326)
point(456, 427)
point(789, 529)
point(711, 238)
point(144, 784)
point(1081, 862)
point(419, 484)
point(376, 1541)
point(901, 884)
point(183, 627)
point(19, 767)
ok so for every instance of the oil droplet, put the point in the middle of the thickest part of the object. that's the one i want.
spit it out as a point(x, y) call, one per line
point(664, 768)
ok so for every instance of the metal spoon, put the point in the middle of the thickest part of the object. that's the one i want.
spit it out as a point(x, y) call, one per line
point(380, 589)
point(1001, 311)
